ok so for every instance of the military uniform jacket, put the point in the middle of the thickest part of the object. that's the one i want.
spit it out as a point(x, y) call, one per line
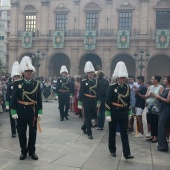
point(88, 87)
point(64, 88)
point(26, 91)
point(118, 94)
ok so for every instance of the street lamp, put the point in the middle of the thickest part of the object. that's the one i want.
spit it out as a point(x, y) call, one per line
point(37, 58)
point(107, 20)
point(141, 59)
point(74, 24)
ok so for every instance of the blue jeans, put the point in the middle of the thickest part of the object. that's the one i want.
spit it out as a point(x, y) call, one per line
point(101, 117)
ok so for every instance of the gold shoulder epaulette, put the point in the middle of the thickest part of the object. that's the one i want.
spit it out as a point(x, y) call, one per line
point(84, 79)
point(112, 84)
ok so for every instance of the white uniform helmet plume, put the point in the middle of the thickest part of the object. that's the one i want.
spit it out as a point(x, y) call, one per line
point(89, 67)
point(120, 71)
point(15, 69)
point(63, 69)
point(26, 64)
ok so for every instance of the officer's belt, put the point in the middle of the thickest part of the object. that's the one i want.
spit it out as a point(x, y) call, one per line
point(26, 103)
point(89, 95)
point(118, 104)
point(64, 91)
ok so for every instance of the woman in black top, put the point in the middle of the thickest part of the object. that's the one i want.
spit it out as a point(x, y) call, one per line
point(164, 115)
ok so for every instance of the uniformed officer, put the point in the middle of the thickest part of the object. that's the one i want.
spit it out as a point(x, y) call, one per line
point(64, 92)
point(26, 107)
point(117, 108)
point(15, 75)
point(88, 97)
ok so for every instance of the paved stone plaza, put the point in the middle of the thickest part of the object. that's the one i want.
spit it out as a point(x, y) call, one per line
point(63, 146)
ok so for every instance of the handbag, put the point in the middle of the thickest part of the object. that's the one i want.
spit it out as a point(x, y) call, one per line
point(155, 108)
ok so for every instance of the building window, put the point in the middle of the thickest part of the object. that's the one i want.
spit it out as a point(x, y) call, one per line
point(30, 23)
point(1, 48)
point(163, 19)
point(92, 21)
point(125, 20)
point(61, 22)
point(1, 38)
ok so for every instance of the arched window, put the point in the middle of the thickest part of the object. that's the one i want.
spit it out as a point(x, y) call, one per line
point(92, 16)
point(125, 16)
point(30, 18)
point(163, 15)
point(4, 14)
point(61, 17)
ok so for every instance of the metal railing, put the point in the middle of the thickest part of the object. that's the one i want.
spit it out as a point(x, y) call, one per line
point(99, 33)
point(112, 33)
point(34, 34)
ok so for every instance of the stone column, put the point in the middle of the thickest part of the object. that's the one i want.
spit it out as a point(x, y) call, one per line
point(74, 62)
point(144, 17)
point(14, 18)
point(105, 63)
point(44, 17)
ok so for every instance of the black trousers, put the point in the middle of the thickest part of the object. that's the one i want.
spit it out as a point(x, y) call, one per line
point(22, 130)
point(13, 124)
point(154, 125)
point(164, 120)
point(64, 106)
point(88, 113)
point(123, 122)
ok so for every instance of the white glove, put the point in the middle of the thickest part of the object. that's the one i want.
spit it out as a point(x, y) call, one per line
point(108, 118)
point(80, 107)
point(56, 97)
point(39, 117)
point(7, 107)
point(15, 116)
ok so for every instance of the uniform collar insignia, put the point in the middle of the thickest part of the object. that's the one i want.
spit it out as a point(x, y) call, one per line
point(28, 81)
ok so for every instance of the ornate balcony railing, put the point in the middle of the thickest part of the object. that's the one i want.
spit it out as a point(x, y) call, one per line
point(34, 33)
point(99, 33)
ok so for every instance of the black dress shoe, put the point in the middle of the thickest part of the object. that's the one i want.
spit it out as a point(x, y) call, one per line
point(129, 157)
point(61, 119)
point(66, 118)
point(90, 137)
point(163, 150)
point(14, 135)
point(34, 156)
point(23, 156)
point(113, 154)
point(83, 129)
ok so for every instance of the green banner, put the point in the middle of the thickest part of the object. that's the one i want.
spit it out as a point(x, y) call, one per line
point(123, 39)
point(58, 39)
point(90, 40)
point(27, 39)
point(162, 38)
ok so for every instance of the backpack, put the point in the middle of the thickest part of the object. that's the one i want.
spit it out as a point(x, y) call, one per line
point(103, 85)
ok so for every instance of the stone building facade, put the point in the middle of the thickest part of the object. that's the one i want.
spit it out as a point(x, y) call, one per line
point(141, 17)
point(5, 9)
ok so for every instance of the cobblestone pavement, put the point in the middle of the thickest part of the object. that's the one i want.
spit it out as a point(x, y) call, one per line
point(63, 146)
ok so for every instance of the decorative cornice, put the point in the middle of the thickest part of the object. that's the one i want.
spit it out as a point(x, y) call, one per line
point(76, 2)
point(92, 6)
point(14, 3)
point(126, 6)
point(45, 2)
point(61, 9)
point(163, 4)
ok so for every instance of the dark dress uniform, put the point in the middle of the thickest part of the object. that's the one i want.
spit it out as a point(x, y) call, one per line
point(64, 91)
point(26, 102)
point(88, 97)
point(118, 103)
point(7, 103)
